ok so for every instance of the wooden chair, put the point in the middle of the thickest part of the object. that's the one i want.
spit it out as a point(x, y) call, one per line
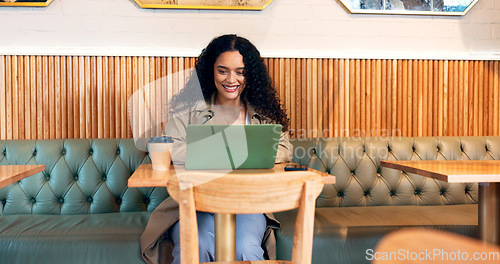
point(246, 192)
point(432, 247)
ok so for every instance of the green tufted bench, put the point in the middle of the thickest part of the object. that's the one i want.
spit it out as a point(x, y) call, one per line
point(369, 201)
point(79, 210)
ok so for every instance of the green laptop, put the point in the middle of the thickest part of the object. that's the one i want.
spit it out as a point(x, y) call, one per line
point(232, 146)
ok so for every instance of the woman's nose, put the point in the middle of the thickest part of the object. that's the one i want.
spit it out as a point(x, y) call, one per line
point(231, 77)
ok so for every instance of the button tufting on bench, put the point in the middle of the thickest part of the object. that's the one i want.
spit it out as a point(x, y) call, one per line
point(391, 193)
point(91, 151)
point(340, 194)
point(118, 200)
point(89, 199)
point(118, 152)
point(5, 152)
point(47, 177)
point(33, 200)
point(416, 192)
point(34, 153)
point(60, 200)
point(104, 178)
point(63, 152)
point(146, 200)
point(4, 201)
point(75, 177)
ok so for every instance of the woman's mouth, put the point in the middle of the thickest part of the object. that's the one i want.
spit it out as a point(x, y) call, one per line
point(230, 89)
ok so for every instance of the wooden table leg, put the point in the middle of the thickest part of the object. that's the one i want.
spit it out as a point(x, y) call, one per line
point(225, 237)
point(489, 212)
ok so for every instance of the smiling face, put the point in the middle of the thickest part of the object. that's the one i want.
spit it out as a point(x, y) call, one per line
point(229, 77)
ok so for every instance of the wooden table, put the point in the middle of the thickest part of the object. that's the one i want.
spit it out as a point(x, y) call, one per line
point(10, 174)
point(484, 172)
point(225, 224)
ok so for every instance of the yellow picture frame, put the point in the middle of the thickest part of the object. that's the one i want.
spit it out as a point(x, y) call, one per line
point(206, 4)
point(29, 3)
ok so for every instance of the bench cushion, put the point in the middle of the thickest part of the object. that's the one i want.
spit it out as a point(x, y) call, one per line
point(342, 235)
point(90, 238)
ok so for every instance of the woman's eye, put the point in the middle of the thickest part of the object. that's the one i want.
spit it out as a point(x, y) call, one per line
point(240, 73)
point(222, 72)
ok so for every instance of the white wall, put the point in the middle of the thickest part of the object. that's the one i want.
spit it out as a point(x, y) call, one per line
point(287, 28)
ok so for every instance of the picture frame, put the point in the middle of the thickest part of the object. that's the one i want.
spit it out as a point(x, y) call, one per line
point(409, 7)
point(39, 3)
point(206, 4)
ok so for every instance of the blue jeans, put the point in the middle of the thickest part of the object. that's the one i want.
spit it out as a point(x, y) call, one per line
point(250, 229)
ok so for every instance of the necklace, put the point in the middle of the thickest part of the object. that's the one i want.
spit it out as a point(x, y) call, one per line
point(234, 118)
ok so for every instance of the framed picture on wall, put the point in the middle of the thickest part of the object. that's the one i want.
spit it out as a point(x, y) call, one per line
point(25, 2)
point(206, 4)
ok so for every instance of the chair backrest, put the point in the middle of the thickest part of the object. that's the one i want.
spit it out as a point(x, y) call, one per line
point(432, 246)
point(246, 192)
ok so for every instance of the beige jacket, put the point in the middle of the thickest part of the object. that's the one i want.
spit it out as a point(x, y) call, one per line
point(155, 248)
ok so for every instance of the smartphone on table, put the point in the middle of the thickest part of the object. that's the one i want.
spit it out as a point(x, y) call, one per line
point(295, 167)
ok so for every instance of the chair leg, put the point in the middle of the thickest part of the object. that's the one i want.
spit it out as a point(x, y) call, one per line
point(304, 226)
point(188, 227)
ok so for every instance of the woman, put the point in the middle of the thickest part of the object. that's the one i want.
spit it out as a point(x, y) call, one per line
point(230, 85)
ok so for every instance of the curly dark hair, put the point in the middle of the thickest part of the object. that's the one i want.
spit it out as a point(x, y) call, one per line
point(259, 91)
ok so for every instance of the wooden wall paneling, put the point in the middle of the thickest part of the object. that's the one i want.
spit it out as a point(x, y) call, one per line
point(352, 97)
point(15, 98)
point(357, 97)
point(8, 95)
point(496, 98)
point(368, 97)
point(50, 103)
point(111, 97)
point(419, 95)
point(343, 107)
point(76, 97)
point(374, 122)
point(454, 112)
point(157, 95)
point(466, 85)
point(444, 98)
point(106, 97)
point(471, 99)
point(3, 119)
point(94, 131)
point(415, 98)
point(302, 118)
point(21, 91)
point(461, 87)
point(99, 99)
point(489, 98)
point(57, 98)
point(87, 96)
point(27, 97)
point(313, 95)
point(322, 99)
point(383, 98)
point(425, 96)
point(130, 83)
point(287, 79)
point(164, 91)
point(291, 110)
point(117, 91)
point(480, 101)
point(87, 79)
point(46, 97)
point(152, 111)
